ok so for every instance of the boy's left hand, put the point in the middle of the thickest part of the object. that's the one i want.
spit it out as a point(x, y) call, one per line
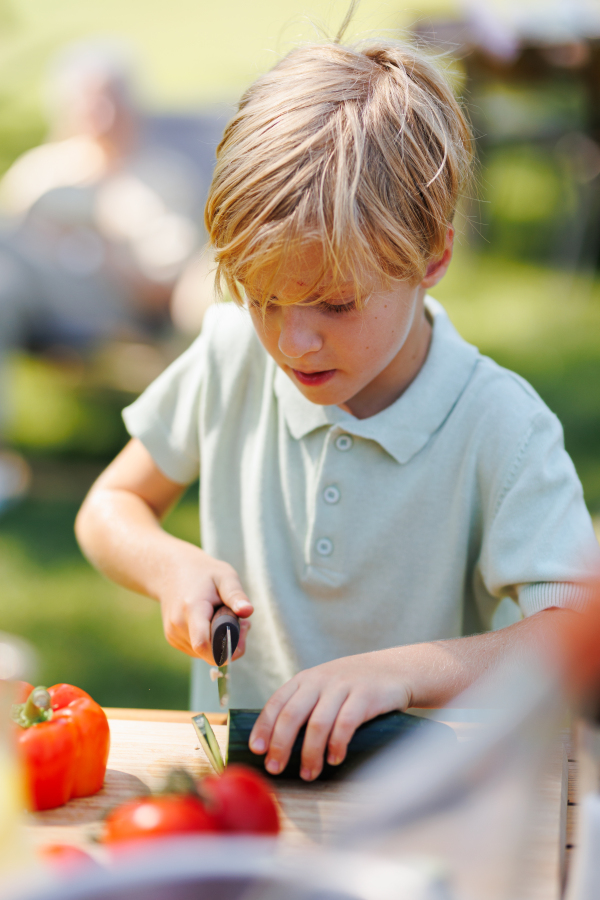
point(338, 696)
point(334, 699)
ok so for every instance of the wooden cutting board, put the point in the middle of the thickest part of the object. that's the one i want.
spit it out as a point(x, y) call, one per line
point(143, 752)
point(146, 744)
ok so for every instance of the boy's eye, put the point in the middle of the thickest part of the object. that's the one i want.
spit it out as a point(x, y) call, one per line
point(254, 304)
point(323, 306)
point(337, 307)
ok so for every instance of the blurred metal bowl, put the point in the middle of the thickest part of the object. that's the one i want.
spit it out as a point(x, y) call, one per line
point(246, 869)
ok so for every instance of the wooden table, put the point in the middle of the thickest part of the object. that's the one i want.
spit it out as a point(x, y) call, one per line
point(145, 744)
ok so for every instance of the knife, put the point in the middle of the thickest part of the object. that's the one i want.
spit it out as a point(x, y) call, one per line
point(224, 637)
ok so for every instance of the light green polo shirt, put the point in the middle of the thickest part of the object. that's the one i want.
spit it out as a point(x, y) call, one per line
point(352, 535)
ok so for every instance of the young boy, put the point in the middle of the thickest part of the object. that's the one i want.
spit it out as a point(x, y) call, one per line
point(370, 486)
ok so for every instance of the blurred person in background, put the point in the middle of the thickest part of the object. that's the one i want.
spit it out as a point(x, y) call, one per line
point(98, 223)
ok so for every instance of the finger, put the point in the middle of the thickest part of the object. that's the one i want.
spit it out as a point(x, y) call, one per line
point(175, 631)
point(318, 731)
point(198, 627)
point(178, 644)
point(232, 594)
point(260, 736)
point(292, 717)
point(245, 627)
point(353, 713)
point(179, 639)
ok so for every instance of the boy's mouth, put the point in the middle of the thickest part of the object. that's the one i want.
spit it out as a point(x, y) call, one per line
point(312, 379)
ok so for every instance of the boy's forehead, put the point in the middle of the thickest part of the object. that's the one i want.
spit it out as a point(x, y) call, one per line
point(303, 274)
point(289, 288)
point(301, 268)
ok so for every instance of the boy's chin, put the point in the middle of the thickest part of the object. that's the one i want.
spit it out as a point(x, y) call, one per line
point(325, 395)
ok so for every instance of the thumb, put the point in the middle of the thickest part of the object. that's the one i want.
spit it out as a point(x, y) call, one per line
point(232, 595)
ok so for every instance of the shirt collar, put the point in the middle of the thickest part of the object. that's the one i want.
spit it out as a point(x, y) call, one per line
point(404, 427)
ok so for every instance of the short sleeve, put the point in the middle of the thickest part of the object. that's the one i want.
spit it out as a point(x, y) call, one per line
point(539, 545)
point(165, 418)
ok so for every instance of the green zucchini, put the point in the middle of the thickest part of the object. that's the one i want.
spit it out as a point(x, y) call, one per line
point(208, 742)
point(368, 739)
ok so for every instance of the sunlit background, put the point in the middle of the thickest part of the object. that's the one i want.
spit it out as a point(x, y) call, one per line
point(524, 286)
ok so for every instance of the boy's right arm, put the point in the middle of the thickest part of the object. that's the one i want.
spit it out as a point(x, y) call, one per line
point(118, 529)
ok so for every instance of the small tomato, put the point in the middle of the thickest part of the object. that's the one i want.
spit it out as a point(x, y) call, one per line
point(241, 801)
point(159, 816)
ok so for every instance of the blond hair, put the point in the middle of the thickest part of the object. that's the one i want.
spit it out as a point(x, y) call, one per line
point(363, 151)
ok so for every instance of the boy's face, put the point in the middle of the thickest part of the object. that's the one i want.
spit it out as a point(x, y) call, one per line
point(336, 354)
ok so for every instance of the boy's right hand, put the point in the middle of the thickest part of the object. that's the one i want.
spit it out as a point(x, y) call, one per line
point(192, 592)
point(119, 529)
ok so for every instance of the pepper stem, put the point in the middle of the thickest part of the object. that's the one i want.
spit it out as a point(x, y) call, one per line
point(37, 703)
point(37, 708)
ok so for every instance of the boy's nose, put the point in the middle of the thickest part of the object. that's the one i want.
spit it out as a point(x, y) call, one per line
point(298, 334)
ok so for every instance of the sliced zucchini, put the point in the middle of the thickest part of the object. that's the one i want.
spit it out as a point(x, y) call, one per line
point(368, 738)
point(208, 742)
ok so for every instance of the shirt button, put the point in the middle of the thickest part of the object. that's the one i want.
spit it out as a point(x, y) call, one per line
point(331, 494)
point(324, 547)
point(344, 442)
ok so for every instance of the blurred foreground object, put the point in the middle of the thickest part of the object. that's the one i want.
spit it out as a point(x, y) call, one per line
point(237, 801)
point(235, 868)
point(16, 662)
point(241, 801)
point(473, 812)
point(66, 860)
point(144, 819)
point(584, 881)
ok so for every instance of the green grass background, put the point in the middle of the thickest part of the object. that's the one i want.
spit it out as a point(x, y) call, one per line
point(542, 322)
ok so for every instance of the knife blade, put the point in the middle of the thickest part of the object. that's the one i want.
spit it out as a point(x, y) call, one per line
point(223, 679)
point(225, 634)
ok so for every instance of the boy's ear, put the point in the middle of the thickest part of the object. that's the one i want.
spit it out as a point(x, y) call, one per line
point(438, 268)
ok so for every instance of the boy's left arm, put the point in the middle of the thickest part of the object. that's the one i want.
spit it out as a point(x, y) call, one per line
point(338, 696)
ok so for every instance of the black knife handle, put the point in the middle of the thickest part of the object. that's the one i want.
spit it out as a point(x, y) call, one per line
point(222, 619)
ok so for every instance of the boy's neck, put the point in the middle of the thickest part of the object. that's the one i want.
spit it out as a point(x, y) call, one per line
point(391, 383)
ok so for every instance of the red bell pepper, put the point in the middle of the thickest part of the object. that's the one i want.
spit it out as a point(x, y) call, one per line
point(63, 739)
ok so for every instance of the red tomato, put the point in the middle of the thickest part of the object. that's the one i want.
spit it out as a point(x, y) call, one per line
point(241, 800)
point(153, 817)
